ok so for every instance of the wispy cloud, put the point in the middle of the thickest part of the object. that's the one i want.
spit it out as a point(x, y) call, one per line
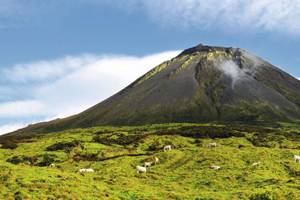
point(6, 128)
point(45, 70)
point(281, 16)
point(57, 88)
point(15, 109)
point(264, 15)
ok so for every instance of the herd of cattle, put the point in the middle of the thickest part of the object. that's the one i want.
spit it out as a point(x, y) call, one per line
point(143, 169)
point(155, 160)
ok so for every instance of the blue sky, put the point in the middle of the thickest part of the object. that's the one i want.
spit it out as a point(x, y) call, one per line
point(58, 57)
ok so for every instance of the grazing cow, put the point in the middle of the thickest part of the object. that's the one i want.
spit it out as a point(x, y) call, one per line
point(88, 170)
point(140, 169)
point(256, 163)
point(156, 160)
point(213, 144)
point(52, 165)
point(168, 148)
point(147, 164)
point(215, 167)
point(297, 158)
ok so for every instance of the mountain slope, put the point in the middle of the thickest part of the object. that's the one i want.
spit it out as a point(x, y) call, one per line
point(201, 84)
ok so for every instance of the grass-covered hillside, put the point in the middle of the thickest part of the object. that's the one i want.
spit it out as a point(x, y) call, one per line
point(182, 173)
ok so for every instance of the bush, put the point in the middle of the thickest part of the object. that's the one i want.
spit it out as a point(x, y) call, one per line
point(9, 145)
point(30, 160)
point(18, 196)
point(262, 196)
point(47, 160)
point(42, 160)
point(154, 146)
point(119, 138)
point(204, 132)
point(269, 140)
point(67, 146)
point(15, 160)
point(23, 159)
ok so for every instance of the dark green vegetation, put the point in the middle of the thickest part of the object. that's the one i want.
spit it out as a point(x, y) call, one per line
point(183, 173)
point(202, 84)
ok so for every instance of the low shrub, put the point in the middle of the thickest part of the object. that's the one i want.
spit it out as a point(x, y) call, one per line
point(155, 146)
point(15, 160)
point(47, 160)
point(261, 196)
point(41, 160)
point(18, 196)
point(120, 139)
point(23, 159)
point(198, 132)
point(85, 157)
point(66, 146)
point(9, 145)
point(269, 140)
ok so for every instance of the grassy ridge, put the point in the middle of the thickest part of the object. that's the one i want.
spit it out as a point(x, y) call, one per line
point(183, 173)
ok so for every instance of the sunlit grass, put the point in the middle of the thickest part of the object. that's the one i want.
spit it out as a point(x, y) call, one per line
point(183, 173)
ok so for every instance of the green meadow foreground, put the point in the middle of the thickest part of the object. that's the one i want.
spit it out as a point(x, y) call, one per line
point(257, 163)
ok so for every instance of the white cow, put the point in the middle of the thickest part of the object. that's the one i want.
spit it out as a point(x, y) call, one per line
point(52, 165)
point(88, 170)
point(256, 163)
point(213, 144)
point(156, 160)
point(297, 158)
point(140, 169)
point(168, 148)
point(215, 167)
point(147, 164)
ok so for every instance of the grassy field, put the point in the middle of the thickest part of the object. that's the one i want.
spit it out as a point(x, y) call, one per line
point(182, 173)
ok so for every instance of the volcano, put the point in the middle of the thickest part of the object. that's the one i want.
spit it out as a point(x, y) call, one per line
point(202, 84)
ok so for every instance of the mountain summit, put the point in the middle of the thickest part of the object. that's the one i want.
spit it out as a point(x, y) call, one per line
point(202, 84)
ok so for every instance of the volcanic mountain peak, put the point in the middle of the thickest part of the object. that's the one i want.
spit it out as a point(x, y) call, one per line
point(232, 62)
point(204, 48)
point(201, 84)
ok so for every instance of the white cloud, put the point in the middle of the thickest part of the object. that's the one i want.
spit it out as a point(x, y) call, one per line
point(231, 69)
point(230, 15)
point(66, 86)
point(15, 109)
point(95, 82)
point(45, 70)
point(268, 15)
point(11, 127)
